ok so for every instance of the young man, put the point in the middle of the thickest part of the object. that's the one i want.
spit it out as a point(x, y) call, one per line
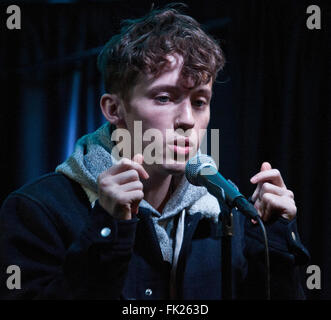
point(132, 228)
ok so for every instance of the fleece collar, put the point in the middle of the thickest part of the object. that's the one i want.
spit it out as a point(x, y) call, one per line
point(93, 154)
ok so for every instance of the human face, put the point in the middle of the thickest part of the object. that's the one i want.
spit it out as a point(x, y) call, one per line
point(176, 109)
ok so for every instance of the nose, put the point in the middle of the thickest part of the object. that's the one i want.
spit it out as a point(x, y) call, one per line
point(185, 119)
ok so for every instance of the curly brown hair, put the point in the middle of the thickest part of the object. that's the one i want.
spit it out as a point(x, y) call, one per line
point(143, 44)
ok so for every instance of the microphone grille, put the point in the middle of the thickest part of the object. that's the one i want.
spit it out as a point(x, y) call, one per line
point(194, 166)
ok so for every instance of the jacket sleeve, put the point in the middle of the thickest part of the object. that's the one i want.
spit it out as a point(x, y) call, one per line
point(286, 254)
point(92, 266)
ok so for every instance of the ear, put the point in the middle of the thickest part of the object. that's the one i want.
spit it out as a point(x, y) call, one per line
point(112, 109)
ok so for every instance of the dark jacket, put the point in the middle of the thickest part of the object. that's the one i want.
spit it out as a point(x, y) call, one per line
point(49, 229)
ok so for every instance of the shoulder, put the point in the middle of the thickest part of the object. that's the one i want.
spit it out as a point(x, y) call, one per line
point(51, 180)
point(52, 190)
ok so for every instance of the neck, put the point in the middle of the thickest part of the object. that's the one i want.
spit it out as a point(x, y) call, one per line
point(158, 189)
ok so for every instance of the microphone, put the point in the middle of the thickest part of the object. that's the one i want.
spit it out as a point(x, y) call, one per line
point(201, 170)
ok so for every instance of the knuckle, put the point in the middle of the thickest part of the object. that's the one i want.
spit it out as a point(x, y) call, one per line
point(108, 194)
point(102, 183)
point(291, 194)
point(125, 162)
point(265, 197)
point(134, 173)
point(140, 194)
point(139, 185)
point(265, 187)
point(276, 172)
point(293, 208)
point(101, 177)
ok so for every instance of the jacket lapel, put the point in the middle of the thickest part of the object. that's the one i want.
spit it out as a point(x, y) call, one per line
point(148, 241)
point(191, 223)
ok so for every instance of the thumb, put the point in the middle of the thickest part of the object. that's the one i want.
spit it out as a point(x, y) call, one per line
point(265, 166)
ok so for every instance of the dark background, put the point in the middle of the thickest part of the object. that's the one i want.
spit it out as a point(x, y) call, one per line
point(271, 103)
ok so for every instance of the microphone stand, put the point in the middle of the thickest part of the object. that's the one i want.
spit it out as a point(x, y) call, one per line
point(229, 197)
point(227, 231)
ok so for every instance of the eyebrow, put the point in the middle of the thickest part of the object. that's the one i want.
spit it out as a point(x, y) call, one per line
point(206, 92)
point(176, 89)
point(163, 87)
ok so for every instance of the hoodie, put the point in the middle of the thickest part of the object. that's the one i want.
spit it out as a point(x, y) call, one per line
point(93, 154)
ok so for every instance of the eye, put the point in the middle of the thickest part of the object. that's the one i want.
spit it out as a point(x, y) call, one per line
point(199, 103)
point(162, 99)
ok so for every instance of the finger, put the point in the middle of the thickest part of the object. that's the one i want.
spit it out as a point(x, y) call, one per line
point(277, 205)
point(125, 177)
point(134, 185)
point(272, 175)
point(126, 164)
point(135, 195)
point(265, 166)
point(120, 178)
point(271, 188)
point(130, 197)
point(256, 192)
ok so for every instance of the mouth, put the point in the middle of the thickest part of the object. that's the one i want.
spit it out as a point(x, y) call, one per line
point(181, 146)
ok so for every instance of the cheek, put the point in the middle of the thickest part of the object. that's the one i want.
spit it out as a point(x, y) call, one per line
point(202, 120)
point(156, 119)
point(160, 124)
point(201, 126)
point(151, 116)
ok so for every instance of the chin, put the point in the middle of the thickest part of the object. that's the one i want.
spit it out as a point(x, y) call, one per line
point(175, 169)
